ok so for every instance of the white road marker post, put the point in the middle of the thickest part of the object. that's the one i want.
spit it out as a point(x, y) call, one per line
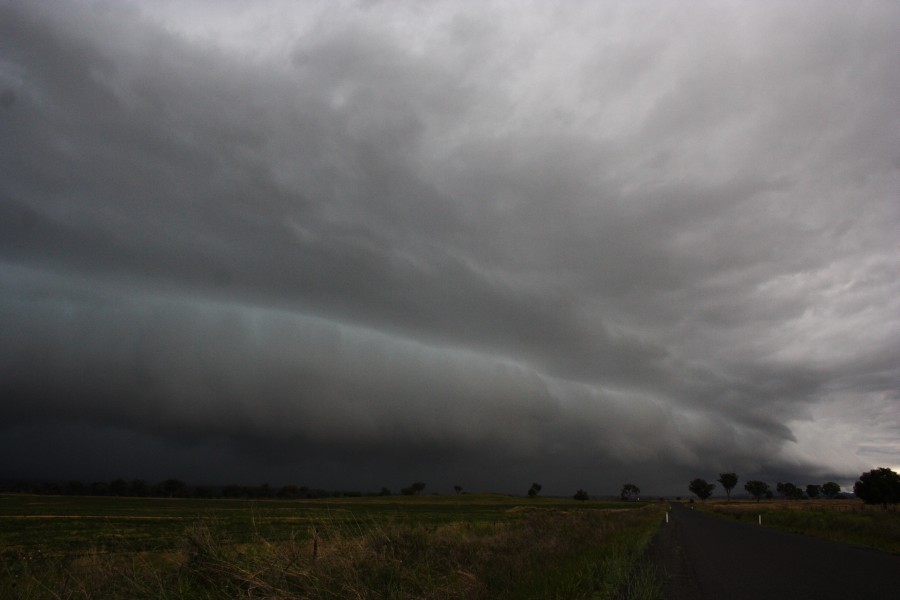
point(760, 519)
point(667, 517)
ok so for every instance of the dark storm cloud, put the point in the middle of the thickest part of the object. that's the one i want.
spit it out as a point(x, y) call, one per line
point(648, 241)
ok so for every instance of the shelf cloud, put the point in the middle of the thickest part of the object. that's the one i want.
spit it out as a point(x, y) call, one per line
point(358, 244)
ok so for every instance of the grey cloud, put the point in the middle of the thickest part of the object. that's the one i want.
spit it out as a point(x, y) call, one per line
point(561, 240)
point(174, 363)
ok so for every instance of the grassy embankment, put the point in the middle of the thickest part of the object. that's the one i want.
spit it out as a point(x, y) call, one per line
point(848, 521)
point(440, 547)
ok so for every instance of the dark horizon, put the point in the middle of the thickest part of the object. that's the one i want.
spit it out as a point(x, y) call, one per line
point(289, 491)
point(106, 487)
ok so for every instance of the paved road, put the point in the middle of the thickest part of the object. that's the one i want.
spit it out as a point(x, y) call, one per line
point(711, 558)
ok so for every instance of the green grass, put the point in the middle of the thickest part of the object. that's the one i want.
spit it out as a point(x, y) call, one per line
point(467, 546)
point(847, 521)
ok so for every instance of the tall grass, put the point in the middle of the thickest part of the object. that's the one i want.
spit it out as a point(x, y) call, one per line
point(540, 553)
point(849, 522)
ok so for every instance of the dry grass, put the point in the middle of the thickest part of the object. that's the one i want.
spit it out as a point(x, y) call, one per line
point(848, 521)
point(546, 553)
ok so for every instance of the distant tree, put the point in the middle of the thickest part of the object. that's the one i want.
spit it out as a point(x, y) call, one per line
point(99, 488)
point(51, 487)
point(384, 492)
point(831, 489)
point(233, 491)
point(204, 491)
point(630, 492)
point(728, 481)
point(701, 489)
point(288, 492)
point(74, 488)
point(139, 488)
point(878, 486)
point(813, 490)
point(413, 489)
point(118, 487)
point(581, 495)
point(171, 488)
point(789, 491)
point(457, 489)
point(757, 488)
point(534, 490)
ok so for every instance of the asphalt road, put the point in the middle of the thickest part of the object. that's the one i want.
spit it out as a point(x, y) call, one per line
point(711, 558)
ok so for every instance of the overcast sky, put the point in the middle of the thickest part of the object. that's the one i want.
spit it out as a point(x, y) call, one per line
point(359, 244)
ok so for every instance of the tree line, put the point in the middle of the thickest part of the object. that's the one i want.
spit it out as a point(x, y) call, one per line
point(176, 488)
point(878, 486)
point(760, 489)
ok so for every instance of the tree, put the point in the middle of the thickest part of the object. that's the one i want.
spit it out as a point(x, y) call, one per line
point(581, 495)
point(757, 488)
point(171, 488)
point(75, 488)
point(51, 487)
point(118, 487)
point(138, 487)
point(701, 489)
point(534, 490)
point(630, 492)
point(288, 492)
point(728, 481)
point(413, 489)
point(204, 491)
point(813, 490)
point(831, 489)
point(789, 491)
point(878, 486)
point(99, 488)
point(457, 489)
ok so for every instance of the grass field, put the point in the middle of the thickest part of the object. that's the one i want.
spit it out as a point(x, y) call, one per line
point(466, 546)
point(848, 521)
